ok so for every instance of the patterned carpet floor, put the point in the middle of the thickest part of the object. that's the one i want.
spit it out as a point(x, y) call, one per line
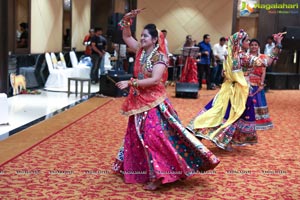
point(75, 161)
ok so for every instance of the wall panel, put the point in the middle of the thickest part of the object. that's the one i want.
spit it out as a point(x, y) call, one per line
point(46, 26)
point(184, 17)
point(81, 19)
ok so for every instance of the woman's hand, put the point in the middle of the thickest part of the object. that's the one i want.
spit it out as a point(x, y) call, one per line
point(278, 37)
point(132, 14)
point(260, 88)
point(122, 84)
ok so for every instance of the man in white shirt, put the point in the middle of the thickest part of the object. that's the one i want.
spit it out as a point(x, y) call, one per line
point(220, 53)
point(166, 42)
point(269, 46)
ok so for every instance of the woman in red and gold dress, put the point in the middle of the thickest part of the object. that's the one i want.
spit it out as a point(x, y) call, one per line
point(256, 78)
point(189, 71)
point(157, 149)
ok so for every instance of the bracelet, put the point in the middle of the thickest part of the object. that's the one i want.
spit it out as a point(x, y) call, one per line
point(125, 23)
point(133, 82)
point(274, 56)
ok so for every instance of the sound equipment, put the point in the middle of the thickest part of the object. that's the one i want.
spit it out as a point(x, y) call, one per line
point(292, 39)
point(3, 109)
point(107, 85)
point(282, 81)
point(188, 90)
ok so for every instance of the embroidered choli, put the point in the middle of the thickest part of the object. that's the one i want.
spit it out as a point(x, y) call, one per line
point(144, 98)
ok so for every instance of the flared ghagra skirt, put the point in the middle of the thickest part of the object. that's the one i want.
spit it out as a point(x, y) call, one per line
point(158, 147)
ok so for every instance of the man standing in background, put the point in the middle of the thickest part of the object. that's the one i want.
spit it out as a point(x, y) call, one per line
point(220, 53)
point(98, 50)
point(203, 64)
point(166, 42)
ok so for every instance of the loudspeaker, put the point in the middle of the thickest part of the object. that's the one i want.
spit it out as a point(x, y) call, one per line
point(107, 85)
point(292, 39)
point(276, 80)
point(188, 90)
point(282, 81)
point(293, 81)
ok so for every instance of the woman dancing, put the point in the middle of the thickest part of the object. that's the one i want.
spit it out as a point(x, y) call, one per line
point(229, 119)
point(157, 148)
point(257, 79)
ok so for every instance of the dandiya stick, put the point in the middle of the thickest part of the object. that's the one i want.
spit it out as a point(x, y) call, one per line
point(112, 80)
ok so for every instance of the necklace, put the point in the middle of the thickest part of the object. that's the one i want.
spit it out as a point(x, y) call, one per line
point(148, 58)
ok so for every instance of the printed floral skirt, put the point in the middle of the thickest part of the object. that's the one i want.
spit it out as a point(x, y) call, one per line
point(158, 147)
point(263, 120)
point(241, 132)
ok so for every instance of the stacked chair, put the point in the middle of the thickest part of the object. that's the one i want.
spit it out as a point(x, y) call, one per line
point(58, 74)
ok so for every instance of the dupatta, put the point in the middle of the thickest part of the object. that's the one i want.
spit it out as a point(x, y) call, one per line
point(235, 90)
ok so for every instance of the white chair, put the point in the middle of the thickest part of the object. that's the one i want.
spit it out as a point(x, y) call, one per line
point(81, 71)
point(57, 64)
point(29, 72)
point(107, 62)
point(58, 77)
point(62, 60)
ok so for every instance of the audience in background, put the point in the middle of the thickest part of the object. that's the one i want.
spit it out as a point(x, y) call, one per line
point(23, 40)
point(269, 46)
point(98, 51)
point(203, 64)
point(87, 42)
point(220, 53)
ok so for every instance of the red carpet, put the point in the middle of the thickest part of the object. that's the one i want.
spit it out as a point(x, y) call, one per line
point(75, 162)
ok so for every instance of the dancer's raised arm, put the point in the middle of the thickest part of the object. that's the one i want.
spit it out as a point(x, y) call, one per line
point(125, 24)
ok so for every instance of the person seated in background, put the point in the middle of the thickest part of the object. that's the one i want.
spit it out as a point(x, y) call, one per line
point(87, 42)
point(188, 41)
point(23, 41)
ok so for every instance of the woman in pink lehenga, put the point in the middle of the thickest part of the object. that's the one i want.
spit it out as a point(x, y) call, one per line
point(157, 148)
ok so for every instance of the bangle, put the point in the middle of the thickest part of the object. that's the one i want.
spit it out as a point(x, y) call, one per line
point(125, 23)
point(274, 55)
point(133, 82)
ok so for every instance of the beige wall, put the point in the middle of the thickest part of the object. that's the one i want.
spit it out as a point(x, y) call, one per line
point(119, 6)
point(81, 17)
point(184, 17)
point(178, 17)
point(46, 26)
